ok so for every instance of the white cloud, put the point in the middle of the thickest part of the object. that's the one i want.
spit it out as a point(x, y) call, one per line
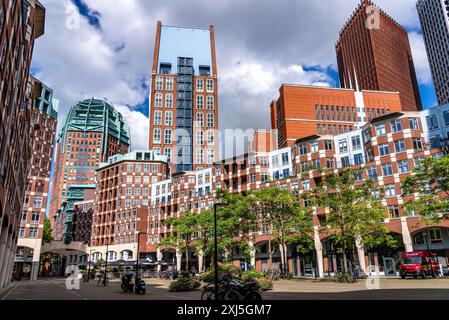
point(420, 58)
point(138, 127)
point(271, 40)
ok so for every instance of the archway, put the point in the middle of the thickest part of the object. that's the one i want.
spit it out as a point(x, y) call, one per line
point(435, 240)
point(23, 263)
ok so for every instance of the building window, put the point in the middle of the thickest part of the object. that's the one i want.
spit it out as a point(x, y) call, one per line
point(417, 144)
point(314, 147)
point(393, 212)
point(159, 83)
point(209, 85)
point(305, 185)
point(372, 173)
point(303, 149)
point(199, 102)
point(345, 161)
point(168, 118)
point(381, 130)
point(403, 166)
point(33, 233)
point(356, 143)
point(328, 145)
point(446, 117)
point(210, 103)
point(157, 118)
point(199, 85)
point(329, 163)
point(414, 124)
point(358, 159)
point(169, 84)
point(158, 100)
point(285, 159)
point(37, 202)
point(210, 156)
point(210, 120)
point(387, 169)
point(167, 136)
point(169, 100)
point(432, 122)
point(200, 137)
point(21, 232)
point(199, 156)
point(157, 136)
point(399, 146)
point(384, 149)
point(396, 125)
point(390, 190)
point(35, 216)
point(200, 120)
point(435, 236)
point(343, 146)
point(210, 137)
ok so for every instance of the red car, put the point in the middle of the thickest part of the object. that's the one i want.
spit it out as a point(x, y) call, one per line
point(419, 264)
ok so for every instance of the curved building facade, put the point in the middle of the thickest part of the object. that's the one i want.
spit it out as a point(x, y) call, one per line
point(92, 132)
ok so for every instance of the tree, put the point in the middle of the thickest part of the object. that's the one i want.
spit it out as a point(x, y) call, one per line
point(289, 222)
point(181, 234)
point(431, 181)
point(235, 223)
point(355, 211)
point(47, 232)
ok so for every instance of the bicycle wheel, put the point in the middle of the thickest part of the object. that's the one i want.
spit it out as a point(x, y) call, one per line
point(208, 295)
point(232, 295)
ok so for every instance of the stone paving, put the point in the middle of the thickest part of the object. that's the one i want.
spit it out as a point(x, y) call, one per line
point(410, 289)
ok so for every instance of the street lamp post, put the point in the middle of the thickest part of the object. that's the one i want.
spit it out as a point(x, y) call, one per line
point(216, 247)
point(88, 266)
point(138, 252)
point(426, 239)
point(106, 262)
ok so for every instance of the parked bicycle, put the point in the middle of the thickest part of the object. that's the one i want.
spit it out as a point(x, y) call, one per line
point(233, 290)
point(103, 280)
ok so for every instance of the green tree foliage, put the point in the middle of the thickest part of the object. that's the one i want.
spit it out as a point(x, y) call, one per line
point(431, 181)
point(355, 211)
point(47, 232)
point(289, 222)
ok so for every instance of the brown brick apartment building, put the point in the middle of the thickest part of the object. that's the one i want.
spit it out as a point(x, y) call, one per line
point(184, 97)
point(301, 111)
point(92, 132)
point(20, 24)
point(373, 52)
point(43, 133)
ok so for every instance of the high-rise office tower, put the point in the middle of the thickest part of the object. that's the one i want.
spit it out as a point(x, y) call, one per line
point(92, 132)
point(373, 50)
point(21, 22)
point(434, 16)
point(184, 97)
point(44, 117)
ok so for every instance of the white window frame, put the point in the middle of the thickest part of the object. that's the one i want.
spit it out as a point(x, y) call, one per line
point(200, 102)
point(168, 136)
point(210, 102)
point(158, 100)
point(168, 118)
point(210, 120)
point(157, 136)
point(159, 83)
point(169, 83)
point(199, 85)
point(169, 100)
point(209, 85)
point(157, 118)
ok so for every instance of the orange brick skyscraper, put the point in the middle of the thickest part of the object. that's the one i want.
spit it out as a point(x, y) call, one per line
point(376, 49)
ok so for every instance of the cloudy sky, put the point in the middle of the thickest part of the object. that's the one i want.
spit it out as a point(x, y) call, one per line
point(103, 49)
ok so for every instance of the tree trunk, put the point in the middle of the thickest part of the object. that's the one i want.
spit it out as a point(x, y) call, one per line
point(281, 251)
point(345, 262)
point(187, 259)
point(270, 255)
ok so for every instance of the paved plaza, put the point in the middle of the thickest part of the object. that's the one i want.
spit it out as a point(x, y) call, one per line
point(392, 289)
